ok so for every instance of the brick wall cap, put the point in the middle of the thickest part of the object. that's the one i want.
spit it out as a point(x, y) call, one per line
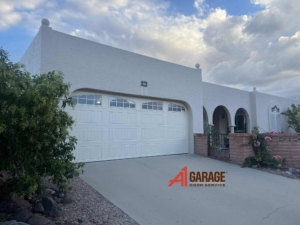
point(199, 135)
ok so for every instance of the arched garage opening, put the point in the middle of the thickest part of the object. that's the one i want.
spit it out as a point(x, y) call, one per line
point(118, 126)
point(241, 121)
point(221, 119)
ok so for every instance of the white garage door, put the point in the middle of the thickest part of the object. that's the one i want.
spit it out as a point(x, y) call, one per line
point(117, 127)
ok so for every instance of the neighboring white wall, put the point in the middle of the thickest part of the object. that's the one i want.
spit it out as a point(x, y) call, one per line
point(263, 102)
point(232, 99)
point(32, 56)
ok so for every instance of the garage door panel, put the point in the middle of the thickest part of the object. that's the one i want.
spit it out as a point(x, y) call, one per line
point(122, 118)
point(119, 151)
point(177, 120)
point(149, 149)
point(86, 116)
point(88, 153)
point(88, 134)
point(152, 133)
point(176, 133)
point(122, 134)
point(152, 119)
point(175, 147)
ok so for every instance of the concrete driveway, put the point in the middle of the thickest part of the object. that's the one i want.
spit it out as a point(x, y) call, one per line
point(140, 188)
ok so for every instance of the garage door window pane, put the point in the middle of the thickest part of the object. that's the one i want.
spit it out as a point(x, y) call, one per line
point(121, 102)
point(82, 101)
point(152, 105)
point(175, 108)
point(87, 99)
point(90, 96)
point(90, 102)
point(74, 99)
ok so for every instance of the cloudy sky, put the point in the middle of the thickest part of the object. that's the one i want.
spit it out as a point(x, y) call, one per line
point(238, 43)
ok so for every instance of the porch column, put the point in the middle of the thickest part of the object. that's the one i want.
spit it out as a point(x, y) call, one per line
point(231, 128)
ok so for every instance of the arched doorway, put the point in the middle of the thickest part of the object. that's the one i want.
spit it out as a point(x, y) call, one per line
point(241, 121)
point(205, 116)
point(221, 119)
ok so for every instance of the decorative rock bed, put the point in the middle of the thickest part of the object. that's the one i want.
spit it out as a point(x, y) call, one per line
point(40, 210)
point(287, 172)
point(81, 205)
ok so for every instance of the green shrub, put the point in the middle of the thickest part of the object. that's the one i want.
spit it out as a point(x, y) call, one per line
point(34, 129)
point(293, 115)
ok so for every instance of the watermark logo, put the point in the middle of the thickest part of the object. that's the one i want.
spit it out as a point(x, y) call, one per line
point(181, 178)
point(199, 178)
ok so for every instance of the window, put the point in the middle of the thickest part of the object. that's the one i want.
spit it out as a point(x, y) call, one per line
point(153, 105)
point(275, 119)
point(121, 102)
point(87, 99)
point(175, 108)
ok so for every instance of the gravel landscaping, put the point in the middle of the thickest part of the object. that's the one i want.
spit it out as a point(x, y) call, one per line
point(285, 172)
point(289, 173)
point(83, 205)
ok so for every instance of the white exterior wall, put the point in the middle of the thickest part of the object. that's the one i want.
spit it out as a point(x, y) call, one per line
point(91, 65)
point(232, 99)
point(263, 102)
point(32, 56)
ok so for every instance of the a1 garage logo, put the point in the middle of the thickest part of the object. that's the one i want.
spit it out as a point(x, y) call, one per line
point(199, 179)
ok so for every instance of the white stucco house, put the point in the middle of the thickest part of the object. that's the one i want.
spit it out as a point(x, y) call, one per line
point(130, 105)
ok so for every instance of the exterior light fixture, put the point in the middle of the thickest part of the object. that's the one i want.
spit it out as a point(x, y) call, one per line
point(144, 83)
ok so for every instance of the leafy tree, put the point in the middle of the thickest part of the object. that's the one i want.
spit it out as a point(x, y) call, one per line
point(293, 115)
point(34, 129)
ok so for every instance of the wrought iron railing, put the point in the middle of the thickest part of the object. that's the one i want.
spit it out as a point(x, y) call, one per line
point(218, 145)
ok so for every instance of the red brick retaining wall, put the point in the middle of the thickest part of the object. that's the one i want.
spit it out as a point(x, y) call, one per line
point(200, 144)
point(238, 153)
point(285, 145)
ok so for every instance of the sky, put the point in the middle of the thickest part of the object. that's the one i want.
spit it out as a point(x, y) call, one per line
point(238, 43)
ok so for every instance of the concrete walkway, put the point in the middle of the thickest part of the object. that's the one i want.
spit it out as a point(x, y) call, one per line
point(140, 188)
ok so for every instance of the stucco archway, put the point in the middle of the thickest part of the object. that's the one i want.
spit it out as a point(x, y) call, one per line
point(241, 121)
point(205, 116)
point(222, 119)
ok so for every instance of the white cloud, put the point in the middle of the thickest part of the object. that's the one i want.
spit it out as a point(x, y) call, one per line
point(10, 11)
point(239, 51)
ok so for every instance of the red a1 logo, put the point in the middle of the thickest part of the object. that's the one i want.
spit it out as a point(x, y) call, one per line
point(181, 178)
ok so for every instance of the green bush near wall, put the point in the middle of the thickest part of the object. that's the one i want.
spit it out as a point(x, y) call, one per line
point(34, 129)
